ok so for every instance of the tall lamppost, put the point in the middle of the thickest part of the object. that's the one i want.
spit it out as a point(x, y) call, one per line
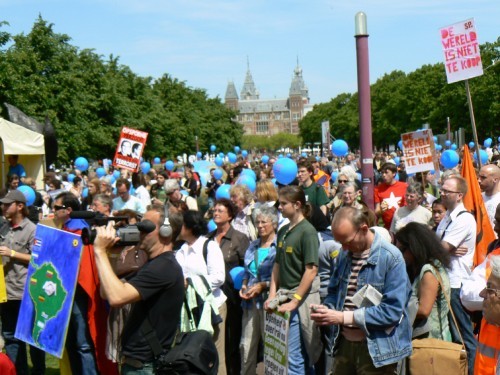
point(365, 111)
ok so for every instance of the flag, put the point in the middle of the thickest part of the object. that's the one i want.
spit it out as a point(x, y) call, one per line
point(473, 202)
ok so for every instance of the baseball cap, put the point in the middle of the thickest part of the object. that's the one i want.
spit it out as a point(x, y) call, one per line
point(13, 196)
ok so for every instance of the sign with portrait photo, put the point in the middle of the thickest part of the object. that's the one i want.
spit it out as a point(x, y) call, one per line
point(129, 149)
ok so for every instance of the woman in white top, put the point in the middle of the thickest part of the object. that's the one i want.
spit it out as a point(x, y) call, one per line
point(192, 260)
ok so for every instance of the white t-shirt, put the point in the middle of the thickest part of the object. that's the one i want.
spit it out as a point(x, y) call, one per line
point(403, 216)
point(143, 194)
point(193, 263)
point(133, 204)
point(491, 203)
point(459, 230)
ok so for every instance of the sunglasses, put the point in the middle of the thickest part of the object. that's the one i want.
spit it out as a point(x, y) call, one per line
point(343, 181)
point(57, 207)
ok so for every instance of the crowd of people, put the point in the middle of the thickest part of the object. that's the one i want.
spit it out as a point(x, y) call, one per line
point(312, 248)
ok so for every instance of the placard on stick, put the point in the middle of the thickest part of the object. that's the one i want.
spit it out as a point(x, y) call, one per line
point(419, 151)
point(129, 149)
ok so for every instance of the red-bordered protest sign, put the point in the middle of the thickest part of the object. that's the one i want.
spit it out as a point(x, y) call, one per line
point(129, 149)
point(462, 58)
point(419, 151)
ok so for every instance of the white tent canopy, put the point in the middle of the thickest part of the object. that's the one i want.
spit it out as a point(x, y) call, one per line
point(30, 147)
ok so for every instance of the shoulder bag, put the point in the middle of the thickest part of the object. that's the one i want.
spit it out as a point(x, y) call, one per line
point(435, 356)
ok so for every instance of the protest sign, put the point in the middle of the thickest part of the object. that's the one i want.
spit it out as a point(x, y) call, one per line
point(419, 151)
point(275, 343)
point(129, 149)
point(50, 288)
point(462, 58)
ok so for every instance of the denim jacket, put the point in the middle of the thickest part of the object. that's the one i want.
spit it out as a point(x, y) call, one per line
point(264, 271)
point(384, 270)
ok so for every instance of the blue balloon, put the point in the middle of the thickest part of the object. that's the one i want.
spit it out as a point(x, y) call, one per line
point(213, 148)
point(265, 158)
point(471, 144)
point(397, 160)
point(85, 192)
point(184, 192)
point(71, 177)
point(219, 161)
point(400, 145)
point(453, 147)
point(218, 174)
point(447, 143)
point(435, 139)
point(449, 159)
point(274, 182)
point(211, 226)
point(157, 160)
point(432, 171)
point(487, 142)
point(248, 181)
point(29, 194)
point(484, 156)
point(232, 157)
point(169, 165)
point(223, 192)
point(145, 167)
point(100, 172)
point(280, 156)
point(304, 154)
point(113, 179)
point(439, 147)
point(236, 149)
point(396, 177)
point(288, 155)
point(199, 155)
point(221, 155)
point(285, 170)
point(318, 158)
point(334, 176)
point(81, 164)
point(237, 274)
point(249, 172)
point(244, 153)
point(359, 177)
point(339, 148)
point(116, 174)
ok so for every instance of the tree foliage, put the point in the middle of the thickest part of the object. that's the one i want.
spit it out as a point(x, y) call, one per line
point(404, 102)
point(89, 99)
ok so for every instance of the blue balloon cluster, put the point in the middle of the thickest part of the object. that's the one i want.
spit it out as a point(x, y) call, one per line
point(285, 170)
point(81, 164)
point(223, 192)
point(29, 194)
point(449, 159)
point(339, 148)
point(169, 165)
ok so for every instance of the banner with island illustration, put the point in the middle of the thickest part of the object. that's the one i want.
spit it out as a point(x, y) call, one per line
point(49, 291)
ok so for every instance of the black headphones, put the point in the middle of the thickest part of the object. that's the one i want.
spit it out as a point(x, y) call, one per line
point(165, 229)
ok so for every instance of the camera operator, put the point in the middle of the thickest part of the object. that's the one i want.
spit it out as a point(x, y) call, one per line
point(156, 290)
point(85, 343)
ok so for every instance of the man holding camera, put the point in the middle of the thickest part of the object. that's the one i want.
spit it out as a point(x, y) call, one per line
point(85, 342)
point(156, 290)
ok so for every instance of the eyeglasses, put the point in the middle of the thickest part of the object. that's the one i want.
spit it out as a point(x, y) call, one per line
point(352, 239)
point(57, 207)
point(448, 192)
point(343, 181)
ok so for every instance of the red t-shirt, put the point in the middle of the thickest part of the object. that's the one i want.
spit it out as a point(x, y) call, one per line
point(394, 195)
point(6, 365)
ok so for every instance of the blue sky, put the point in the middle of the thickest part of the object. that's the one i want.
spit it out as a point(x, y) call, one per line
point(206, 43)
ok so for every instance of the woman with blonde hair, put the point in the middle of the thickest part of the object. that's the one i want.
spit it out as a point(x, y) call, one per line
point(266, 192)
point(242, 198)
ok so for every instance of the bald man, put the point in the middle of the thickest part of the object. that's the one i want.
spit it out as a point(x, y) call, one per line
point(489, 182)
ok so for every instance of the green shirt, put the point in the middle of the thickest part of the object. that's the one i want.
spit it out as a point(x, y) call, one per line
point(315, 195)
point(296, 248)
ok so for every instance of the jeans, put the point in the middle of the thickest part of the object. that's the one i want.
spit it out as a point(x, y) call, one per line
point(298, 363)
point(79, 343)
point(465, 326)
point(147, 369)
point(16, 349)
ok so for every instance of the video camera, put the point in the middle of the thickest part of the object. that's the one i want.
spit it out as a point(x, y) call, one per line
point(128, 234)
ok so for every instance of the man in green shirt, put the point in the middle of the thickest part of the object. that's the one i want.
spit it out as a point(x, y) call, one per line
point(315, 194)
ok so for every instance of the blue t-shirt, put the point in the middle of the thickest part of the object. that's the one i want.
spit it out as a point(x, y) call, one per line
point(17, 169)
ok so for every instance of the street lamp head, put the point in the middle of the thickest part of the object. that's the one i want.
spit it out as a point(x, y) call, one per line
point(360, 25)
